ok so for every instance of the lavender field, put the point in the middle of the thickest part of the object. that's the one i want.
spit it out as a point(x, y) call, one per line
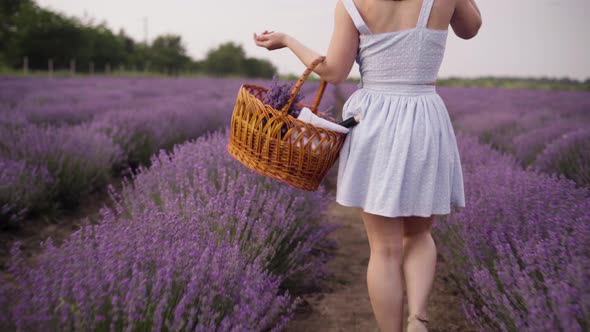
point(195, 241)
point(61, 139)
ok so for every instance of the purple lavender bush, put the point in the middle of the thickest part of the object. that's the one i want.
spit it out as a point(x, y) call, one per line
point(44, 121)
point(218, 179)
point(521, 122)
point(196, 242)
point(23, 188)
point(518, 251)
point(172, 120)
point(529, 145)
point(164, 273)
point(568, 156)
point(78, 158)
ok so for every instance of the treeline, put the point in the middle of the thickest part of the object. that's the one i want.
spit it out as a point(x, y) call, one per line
point(518, 83)
point(35, 38)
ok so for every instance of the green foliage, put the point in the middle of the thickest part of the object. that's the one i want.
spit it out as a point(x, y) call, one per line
point(3, 66)
point(518, 83)
point(40, 35)
point(226, 59)
point(230, 59)
point(9, 10)
point(259, 68)
point(168, 54)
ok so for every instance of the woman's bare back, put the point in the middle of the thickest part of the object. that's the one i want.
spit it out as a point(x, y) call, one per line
point(388, 15)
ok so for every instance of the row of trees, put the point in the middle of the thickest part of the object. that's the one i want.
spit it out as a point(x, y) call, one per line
point(37, 34)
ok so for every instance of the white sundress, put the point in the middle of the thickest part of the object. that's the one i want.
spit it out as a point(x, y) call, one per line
point(402, 159)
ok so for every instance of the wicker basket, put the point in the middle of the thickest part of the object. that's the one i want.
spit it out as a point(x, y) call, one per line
point(300, 157)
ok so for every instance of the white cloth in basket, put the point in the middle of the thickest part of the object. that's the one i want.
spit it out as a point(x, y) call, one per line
point(306, 115)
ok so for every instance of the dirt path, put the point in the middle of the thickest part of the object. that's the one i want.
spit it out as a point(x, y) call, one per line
point(345, 305)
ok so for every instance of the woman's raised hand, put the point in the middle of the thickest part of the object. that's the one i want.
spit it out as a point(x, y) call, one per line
point(270, 40)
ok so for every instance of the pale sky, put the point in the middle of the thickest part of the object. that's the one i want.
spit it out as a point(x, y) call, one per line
point(525, 38)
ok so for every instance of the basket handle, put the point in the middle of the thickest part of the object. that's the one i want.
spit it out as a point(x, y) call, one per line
point(300, 82)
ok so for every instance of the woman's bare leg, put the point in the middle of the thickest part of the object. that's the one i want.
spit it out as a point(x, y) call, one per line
point(419, 264)
point(384, 272)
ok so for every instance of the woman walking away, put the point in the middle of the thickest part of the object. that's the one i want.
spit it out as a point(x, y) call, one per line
point(400, 166)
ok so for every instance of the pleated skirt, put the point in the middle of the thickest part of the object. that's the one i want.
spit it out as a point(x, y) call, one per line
point(402, 159)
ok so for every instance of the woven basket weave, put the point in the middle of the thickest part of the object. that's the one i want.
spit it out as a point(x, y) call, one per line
point(300, 157)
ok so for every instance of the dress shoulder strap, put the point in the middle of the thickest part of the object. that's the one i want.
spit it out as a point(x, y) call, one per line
point(356, 17)
point(425, 13)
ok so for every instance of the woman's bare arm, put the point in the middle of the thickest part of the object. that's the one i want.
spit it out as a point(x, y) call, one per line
point(466, 19)
point(341, 52)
